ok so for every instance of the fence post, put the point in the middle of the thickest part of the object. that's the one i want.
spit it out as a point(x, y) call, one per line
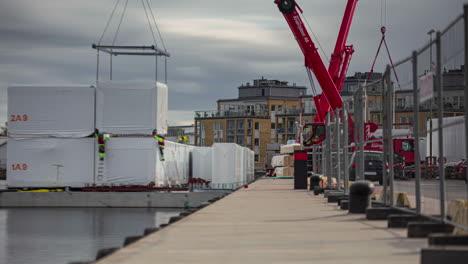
point(417, 156)
point(387, 132)
point(345, 147)
point(358, 130)
point(465, 16)
point(338, 146)
point(440, 113)
point(329, 150)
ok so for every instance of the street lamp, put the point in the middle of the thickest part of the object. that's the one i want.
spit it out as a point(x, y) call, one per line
point(430, 32)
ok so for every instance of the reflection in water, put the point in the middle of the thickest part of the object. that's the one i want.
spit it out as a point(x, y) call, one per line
point(62, 235)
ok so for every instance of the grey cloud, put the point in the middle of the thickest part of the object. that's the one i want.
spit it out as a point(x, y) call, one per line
point(49, 41)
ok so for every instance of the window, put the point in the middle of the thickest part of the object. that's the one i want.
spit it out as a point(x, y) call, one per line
point(273, 107)
point(240, 140)
point(273, 125)
point(403, 119)
point(407, 145)
point(257, 158)
point(240, 124)
point(263, 92)
point(400, 102)
point(230, 139)
point(256, 142)
point(249, 124)
point(257, 125)
point(230, 124)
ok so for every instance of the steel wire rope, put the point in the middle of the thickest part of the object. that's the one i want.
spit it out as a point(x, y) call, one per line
point(149, 23)
point(108, 21)
point(120, 23)
point(156, 25)
point(318, 42)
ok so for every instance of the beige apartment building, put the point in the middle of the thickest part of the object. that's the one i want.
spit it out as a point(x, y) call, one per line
point(264, 112)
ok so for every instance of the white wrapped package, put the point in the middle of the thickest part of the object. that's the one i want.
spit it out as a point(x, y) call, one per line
point(250, 165)
point(50, 162)
point(202, 163)
point(282, 161)
point(289, 149)
point(177, 162)
point(284, 171)
point(225, 165)
point(51, 111)
point(131, 107)
point(130, 161)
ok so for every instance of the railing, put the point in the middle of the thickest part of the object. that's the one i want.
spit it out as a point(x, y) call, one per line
point(296, 111)
point(223, 114)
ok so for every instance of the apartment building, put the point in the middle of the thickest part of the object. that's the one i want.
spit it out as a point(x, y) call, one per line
point(261, 114)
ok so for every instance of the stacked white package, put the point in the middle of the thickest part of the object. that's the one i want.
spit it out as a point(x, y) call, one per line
point(131, 107)
point(50, 162)
point(51, 111)
point(131, 161)
point(176, 165)
point(202, 163)
point(289, 149)
point(250, 156)
point(225, 165)
point(282, 161)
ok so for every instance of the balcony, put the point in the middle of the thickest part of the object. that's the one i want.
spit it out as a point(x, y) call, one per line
point(295, 111)
point(213, 114)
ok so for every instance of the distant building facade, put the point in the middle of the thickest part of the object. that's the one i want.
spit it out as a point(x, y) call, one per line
point(264, 112)
point(175, 132)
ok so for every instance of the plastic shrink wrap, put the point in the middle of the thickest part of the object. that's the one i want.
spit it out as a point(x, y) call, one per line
point(177, 164)
point(131, 107)
point(130, 161)
point(50, 162)
point(202, 163)
point(51, 111)
point(226, 165)
point(288, 149)
point(282, 161)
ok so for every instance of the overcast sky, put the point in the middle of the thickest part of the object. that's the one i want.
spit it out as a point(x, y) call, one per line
point(216, 45)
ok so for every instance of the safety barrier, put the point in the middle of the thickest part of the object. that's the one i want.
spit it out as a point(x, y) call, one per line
point(418, 153)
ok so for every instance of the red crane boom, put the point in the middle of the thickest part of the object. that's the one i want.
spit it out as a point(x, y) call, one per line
point(331, 80)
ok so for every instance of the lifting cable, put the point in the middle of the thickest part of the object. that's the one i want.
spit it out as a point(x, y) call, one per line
point(147, 13)
point(120, 22)
point(383, 29)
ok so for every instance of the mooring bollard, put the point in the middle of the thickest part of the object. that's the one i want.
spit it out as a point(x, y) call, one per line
point(314, 181)
point(359, 196)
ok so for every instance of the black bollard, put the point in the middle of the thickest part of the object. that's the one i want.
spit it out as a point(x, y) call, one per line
point(359, 196)
point(314, 181)
point(300, 169)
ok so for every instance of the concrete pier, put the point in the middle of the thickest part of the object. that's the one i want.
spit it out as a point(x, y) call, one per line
point(269, 222)
point(106, 199)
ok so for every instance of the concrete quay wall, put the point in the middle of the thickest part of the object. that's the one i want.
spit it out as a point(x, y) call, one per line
point(106, 199)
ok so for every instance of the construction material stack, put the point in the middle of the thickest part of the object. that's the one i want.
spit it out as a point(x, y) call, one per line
point(224, 165)
point(50, 136)
point(130, 115)
point(283, 164)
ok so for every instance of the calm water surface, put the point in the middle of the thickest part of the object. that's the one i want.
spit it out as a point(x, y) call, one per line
point(63, 235)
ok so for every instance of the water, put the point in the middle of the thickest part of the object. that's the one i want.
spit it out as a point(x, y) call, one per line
point(63, 235)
